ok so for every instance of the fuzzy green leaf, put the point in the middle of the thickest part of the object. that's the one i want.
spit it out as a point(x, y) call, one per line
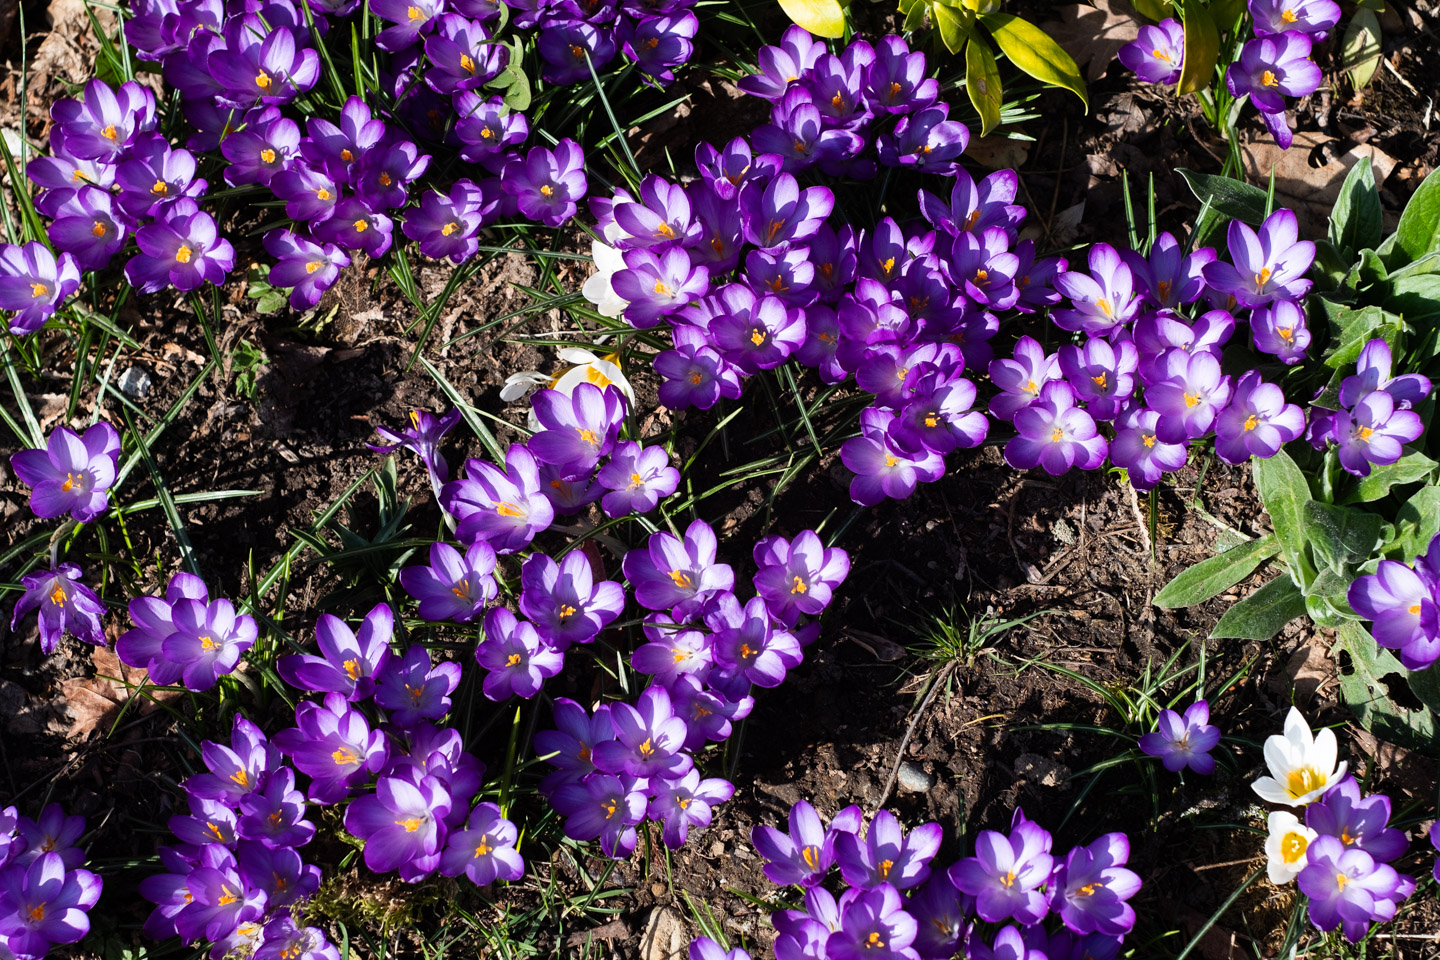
point(1214, 575)
point(1419, 230)
point(1409, 468)
point(1262, 614)
point(1355, 222)
point(1341, 535)
point(1285, 493)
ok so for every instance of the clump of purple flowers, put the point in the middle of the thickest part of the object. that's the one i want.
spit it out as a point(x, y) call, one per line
point(898, 904)
point(45, 892)
point(186, 637)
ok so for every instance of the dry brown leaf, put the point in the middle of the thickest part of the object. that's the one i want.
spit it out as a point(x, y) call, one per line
point(95, 702)
point(1310, 190)
point(997, 153)
point(1094, 33)
point(1309, 669)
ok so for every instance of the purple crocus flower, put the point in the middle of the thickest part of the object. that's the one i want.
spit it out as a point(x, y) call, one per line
point(238, 769)
point(448, 224)
point(1403, 608)
point(154, 622)
point(284, 939)
point(106, 123)
point(401, 825)
point(34, 283)
point(1270, 69)
point(658, 43)
point(974, 208)
point(453, 587)
point(1347, 887)
point(1190, 397)
point(307, 268)
point(1102, 301)
point(1257, 421)
point(1102, 374)
point(1055, 434)
point(729, 168)
point(516, 659)
point(658, 285)
point(781, 212)
point(335, 149)
point(65, 605)
point(88, 226)
point(649, 739)
point(888, 855)
point(799, 136)
point(798, 577)
point(941, 915)
point(602, 806)
point(348, 664)
point(637, 478)
point(671, 574)
point(504, 507)
point(275, 816)
point(938, 415)
point(686, 802)
point(1157, 53)
point(579, 428)
point(1181, 742)
point(1372, 372)
point(412, 690)
point(569, 748)
point(983, 262)
point(461, 58)
point(1160, 335)
point(563, 600)
point(383, 175)
point(547, 185)
point(568, 49)
point(153, 176)
point(408, 19)
point(1315, 17)
point(1373, 432)
point(277, 873)
point(1022, 378)
point(756, 332)
point(1269, 265)
point(1170, 277)
point(354, 225)
point(183, 249)
point(882, 466)
point(273, 70)
point(874, 926)
point(695, 374)
point(334, 746)
point(784, 64)
point(423, 438)
point(310, 193)
point(1090, 888)
point(487, 128)
point(1358, 822)
point(1279, 329)
point(45, 904)
point(207, 641)
point(926, 141)
point(267, 145)
point(659, 218)
point(55, 832)
point(804, 856)
point(747, 643)
point(1006, 873)
point(485, 849)
point(1008, 944)
point(896, 81)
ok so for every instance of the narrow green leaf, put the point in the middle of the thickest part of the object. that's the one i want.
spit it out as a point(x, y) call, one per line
point(982, 82)
point(1214, 575)
point(1419, 230)
point(1262, 614)
point(1032, 50)
point(1409, 468)
point(1232, 198)
point(1202, 48)
point(1355, 222)
point(1284, 493)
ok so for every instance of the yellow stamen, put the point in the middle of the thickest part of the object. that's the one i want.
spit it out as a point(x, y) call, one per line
point(413, 823)
point(1148, 439)
point(385, 179)
point(547, 190)
point(344, 756)
point(1099, 381)
point(57, 596)
point(322, 194)
point(1340, 881)
point(1304, 780)
point(1365, 433)
point(746, 652)
point(109, 132)
point(798, 586)
point(1191, 399)
point(757, 336)
point(1288, 16)
point(184, 254)
point(38, 290)
point(666, 231)
point(267, 155)
point(360, 226)
point(890, 460)
point(647, 749)
point(577, 51)
point(1058, 435)
point(312, 265)
point(609, 807)
point(567, 611)
point(508, 510)
point(1414, 610)
point(513, 660)
point(874, 940)
point(241, 778)
point(346, 155)
point(681, 580)
point(98, 229)
point(263, 81)
point(483, 850)
point(661, 289)
point(467, 64)
point(1262, 278)
point(1105, 307)
point(449, 228)
point(415, 14)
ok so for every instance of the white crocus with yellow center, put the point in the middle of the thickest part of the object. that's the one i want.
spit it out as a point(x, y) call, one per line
point(1285, 846)
point(1302, 765)
point(598, 288)
point(582, 367)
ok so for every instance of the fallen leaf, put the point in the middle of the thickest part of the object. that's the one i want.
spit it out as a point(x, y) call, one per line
point(1305, 181)
point(1309, 669)
point(92, 702)
point(997, 153)
point(614, 930)
point(1094, 33)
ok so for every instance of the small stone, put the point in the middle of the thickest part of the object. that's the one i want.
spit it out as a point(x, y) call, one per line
point(914, 780)
point(717, 849)
point(135, 383)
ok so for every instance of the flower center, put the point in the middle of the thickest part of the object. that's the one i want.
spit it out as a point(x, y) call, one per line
point(885, 866)
point(466, 63)
point(206, 643)
point(1105, 307)
point(483, 849)
point(1304, 780)
point(1192, 399)
point(109, 132)
point(410, 824)
point(681, 580)
point(757, 336)
point(546, 190)
point(1251, 422)
point(666, 231)
point(508, 510)
point(1262, 278)
point(1365, 433)
point(1340, 881)
point(1267, 79)
point(184, 254)
point(313, 265)
point(322, 194)
point(647, 748)
point(415, 14)
point(1148, 439)
point(449, 228)
point(360, 226)
point(811, 856)
point(798, 585)
point(1415, 610)
point(874, 941)
point(661, 289)
point(609, 806)
point(1099, 381)
point(746, 651)
point(57, 596)
point(462, 589)
point(99, 229)
point(577, 51)
point(1159, 54)
point(263, 81)
point(513, 660)
point(267, 155)
point(160, 189)
point(1057, 435)
point(1008, 880)
point(344, 756)
point(890, 460)
point(1288, 16)
point(346, 155)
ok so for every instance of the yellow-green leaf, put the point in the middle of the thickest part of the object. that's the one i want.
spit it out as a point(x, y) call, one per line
point(824, 18)
point(1360, 51)
point(1226, 13)
point(1032, 50)
point(1156, 10)
point(1202, 48)
point(954, 26)
point(982, 82)
point(915, 16)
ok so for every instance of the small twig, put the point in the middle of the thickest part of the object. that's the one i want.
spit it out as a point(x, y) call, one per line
point(1228, 863)
point(910, 731)
point(1140, 521)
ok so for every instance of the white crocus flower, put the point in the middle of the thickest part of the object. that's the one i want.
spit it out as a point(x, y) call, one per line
point(1285, 847)
point(1302, 765)
point(598, 289)
point(584, 367)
